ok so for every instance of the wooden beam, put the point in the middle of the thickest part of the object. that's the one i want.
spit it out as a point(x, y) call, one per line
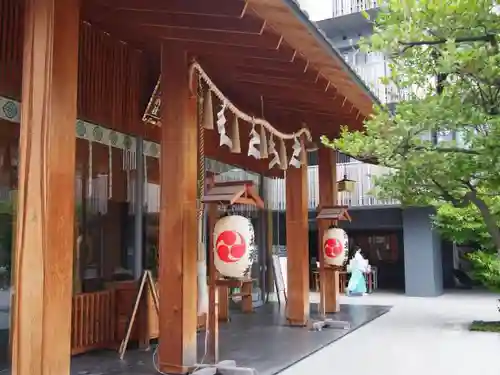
point(178, 222)
point(319, 111)
point(297, 66)
point(287, 106)
point(294, 83)
point(292, 73)
point(284, 94)
point(335, 117)
point(44, 235)
point(329, 278)
point(283, 53)
point(223, 8)
point(297, 243)
point(329, 126)
point(248, 23)
point(251, 100)
point(266, 40)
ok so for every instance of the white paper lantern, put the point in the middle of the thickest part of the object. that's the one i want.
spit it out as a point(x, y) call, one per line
point(234, 246)
point(335, 246)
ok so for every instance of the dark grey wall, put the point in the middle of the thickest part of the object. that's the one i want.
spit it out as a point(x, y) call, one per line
point(422, 250)
point(422, 246)
point(379, 218)
point(447, 260)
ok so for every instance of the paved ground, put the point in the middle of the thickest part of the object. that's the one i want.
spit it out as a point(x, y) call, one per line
point(418, 336)
point(259, 340)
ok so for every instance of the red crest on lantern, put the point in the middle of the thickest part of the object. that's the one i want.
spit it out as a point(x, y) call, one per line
point(333, 247)
point(230, 246)
point(234, 246)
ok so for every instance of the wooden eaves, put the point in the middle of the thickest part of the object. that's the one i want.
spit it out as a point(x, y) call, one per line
point(336, 213)
point(233, 192)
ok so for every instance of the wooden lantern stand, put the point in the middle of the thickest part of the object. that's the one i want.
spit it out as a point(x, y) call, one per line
point(224, 194)
point(329, 275)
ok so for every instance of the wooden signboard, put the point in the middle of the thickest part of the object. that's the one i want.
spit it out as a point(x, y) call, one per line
point(152, 113)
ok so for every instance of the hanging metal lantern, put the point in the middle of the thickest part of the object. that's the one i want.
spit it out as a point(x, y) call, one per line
point(234, 246)
point(335, 246)
point(346, 185)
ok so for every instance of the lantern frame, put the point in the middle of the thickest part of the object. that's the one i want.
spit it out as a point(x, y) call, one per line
point(333, 214)
point(225, 194)
point(346, 185)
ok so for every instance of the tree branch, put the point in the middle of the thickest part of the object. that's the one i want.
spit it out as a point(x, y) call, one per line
point(485, 38)
point(458, 203)
point(447, 149)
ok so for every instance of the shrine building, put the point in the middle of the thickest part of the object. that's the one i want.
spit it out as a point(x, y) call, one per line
point(116, 120)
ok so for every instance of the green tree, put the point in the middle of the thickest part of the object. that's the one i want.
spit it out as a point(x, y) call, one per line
point(444, 56)
point(486, 269)
point(465, 226)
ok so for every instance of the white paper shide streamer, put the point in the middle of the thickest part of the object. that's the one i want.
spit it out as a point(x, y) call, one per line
point(221, 128)
point(297, 148)
point(273, 153)
point(253, 150)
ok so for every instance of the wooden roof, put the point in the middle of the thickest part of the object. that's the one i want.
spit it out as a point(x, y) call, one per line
point(233, 192)
point(254, 50)
point(334, 213)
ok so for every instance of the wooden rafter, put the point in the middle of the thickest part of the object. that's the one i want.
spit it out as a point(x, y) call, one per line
point(283, 53)
point(223, 8)
point(284, 93)
point(291, 73)
point(324, 116)
point(266, 40)
point(298, 66)
point(320, 87)
point(130, 18)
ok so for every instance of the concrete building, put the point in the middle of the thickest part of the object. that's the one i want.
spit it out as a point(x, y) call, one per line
point(400, 241)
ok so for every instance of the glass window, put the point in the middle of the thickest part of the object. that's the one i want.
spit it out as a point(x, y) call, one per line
point(104, 218)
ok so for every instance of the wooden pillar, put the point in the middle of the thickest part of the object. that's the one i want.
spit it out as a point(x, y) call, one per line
point(41, 339)
point(328, 196)
point(178, 223)
point(297, 243)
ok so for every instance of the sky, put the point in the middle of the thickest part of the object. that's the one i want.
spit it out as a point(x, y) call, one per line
point(318, 9)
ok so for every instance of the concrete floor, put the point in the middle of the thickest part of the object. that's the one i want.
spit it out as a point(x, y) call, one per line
point(260, 340)
point(418, 336)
